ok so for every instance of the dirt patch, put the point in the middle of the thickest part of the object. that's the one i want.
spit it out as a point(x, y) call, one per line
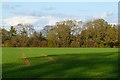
point(26, 61)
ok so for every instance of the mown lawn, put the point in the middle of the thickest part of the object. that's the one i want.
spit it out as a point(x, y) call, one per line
point(60, 63)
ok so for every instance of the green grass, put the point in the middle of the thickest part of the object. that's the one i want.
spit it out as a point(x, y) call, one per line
point(70, 63)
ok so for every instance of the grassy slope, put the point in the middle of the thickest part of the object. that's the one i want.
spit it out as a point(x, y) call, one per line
point(70, 62)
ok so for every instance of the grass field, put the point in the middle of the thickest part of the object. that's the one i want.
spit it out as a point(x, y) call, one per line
point(60, 63)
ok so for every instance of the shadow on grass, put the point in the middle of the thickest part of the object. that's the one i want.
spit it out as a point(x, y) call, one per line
point(90, 65)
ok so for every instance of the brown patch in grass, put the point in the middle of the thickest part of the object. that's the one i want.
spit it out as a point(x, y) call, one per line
point(26, 61)
point(51, 59)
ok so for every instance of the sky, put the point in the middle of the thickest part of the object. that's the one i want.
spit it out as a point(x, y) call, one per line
point(60, 0)
point(48, 13)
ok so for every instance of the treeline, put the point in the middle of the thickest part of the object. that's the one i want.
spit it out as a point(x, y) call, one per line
point(94, 33)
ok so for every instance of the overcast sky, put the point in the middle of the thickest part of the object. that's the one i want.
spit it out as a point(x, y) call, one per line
point(47, 13)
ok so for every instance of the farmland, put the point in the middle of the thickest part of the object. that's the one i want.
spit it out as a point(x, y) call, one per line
point(60, 63)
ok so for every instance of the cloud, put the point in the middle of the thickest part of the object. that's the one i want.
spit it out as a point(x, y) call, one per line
point(104, 15)
point(29, 13)
point(23, 20)
point(40, 13)
point(9, 7)
point(110, 17)
point(50, 8)
point(1, 23)
point(38, 22)
point(4, 6)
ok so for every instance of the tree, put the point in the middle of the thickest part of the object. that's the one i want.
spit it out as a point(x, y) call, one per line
point(5, 36)
point(41, 36)
point(94, 33)
point(52, 38)
point(59, 36)
point(98, 33)
point(25, 29)
point(35, 40)
point(12, 32)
